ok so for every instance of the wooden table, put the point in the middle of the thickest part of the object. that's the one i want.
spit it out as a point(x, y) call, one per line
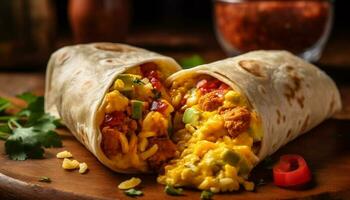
point(326, 148)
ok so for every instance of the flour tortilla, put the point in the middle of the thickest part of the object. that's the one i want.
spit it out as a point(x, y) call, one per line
point(290, 95)
point(77, 79)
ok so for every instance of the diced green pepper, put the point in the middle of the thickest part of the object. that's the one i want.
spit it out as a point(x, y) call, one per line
point(136, 109)
point(191, 116)
point(244, 168)
point(231, 157)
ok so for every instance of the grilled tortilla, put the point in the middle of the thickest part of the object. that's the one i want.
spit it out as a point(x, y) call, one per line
point(232, 113)
point(112, 98)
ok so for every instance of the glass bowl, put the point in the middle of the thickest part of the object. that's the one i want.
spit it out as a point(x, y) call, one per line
point(299, 26)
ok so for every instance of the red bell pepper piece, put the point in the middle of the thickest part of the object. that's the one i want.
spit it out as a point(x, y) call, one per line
point(206, 86)
point(291, 171)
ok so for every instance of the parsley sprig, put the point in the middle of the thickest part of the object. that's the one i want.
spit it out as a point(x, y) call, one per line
point(28, 131)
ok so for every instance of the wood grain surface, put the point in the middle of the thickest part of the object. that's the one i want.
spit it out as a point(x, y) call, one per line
point(326, 148)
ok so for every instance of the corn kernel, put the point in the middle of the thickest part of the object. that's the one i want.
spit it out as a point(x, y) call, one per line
point(83, 167)
point(64, 154)
point(70, 164)
point(131, 183)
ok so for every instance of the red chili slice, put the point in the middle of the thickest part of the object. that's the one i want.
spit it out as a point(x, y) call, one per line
point(291, 171)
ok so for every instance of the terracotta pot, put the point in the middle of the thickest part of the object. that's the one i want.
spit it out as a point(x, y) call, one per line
point(99, 20)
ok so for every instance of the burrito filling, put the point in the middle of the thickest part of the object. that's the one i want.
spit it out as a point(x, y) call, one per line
point(217, 133)
point(137, 120)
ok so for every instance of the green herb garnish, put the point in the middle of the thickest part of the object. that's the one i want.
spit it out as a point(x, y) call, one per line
point(44, 179)
point(192, 61)
point(170, 190)
point(28, 131)
point(138, 81)
point(133, 192)
point(4, 104)
point(206, 195)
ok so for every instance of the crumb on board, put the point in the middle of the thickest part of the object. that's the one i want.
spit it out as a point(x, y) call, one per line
point(130, 183)
point(83, 167)
point(70, 164)
point(64, 154)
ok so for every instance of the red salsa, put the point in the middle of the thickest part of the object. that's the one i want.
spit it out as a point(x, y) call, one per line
point(294, 25)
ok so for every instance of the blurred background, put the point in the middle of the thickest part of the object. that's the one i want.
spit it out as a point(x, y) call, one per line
point(32, 29)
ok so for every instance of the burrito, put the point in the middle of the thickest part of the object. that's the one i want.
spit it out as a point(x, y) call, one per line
point(113, 100)
point(231, 114)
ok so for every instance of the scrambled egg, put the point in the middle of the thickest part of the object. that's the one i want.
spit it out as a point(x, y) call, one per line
point(210, 159)
point(115, 102)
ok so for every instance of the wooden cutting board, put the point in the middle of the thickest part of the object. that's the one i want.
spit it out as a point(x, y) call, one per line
point(326, 148)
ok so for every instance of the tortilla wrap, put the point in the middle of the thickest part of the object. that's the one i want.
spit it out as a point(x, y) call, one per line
point(77, 79)
point(291, 95)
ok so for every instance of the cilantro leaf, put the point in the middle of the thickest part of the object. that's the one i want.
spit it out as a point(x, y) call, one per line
point(4, 104)
point(4, 136)
point(192, 61)
point(21, 146)
point(27, 97)
point(28, 142)
point(29, 131)
point(34, 111)
point(5, 131)
point(44, 123)
point(133, 192)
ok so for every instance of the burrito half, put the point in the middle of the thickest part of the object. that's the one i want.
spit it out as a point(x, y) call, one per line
point(112, 98)
point(233, 113)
